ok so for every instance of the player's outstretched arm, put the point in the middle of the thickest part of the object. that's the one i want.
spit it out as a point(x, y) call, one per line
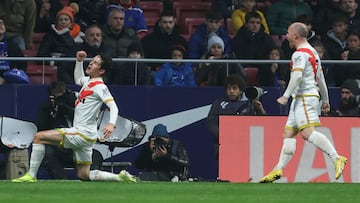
point(78, 70)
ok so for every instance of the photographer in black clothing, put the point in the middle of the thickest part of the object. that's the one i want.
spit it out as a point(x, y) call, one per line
point(58, 112)
point(234, 103)
point(163, 158)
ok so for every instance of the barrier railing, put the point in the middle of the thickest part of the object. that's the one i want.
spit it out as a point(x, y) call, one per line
point(44, 61)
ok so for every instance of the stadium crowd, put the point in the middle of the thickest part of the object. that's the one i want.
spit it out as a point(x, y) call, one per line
point(246, 29)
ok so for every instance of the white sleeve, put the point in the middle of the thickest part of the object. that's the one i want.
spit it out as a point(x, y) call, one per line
point(295, 79)
point(322, 86)
point(114, 111)
point(78, 72)
point(298, 61)
point(108, 99)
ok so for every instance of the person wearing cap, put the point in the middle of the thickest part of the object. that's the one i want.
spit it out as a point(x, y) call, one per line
point(126, 73)
point(177, 74)
point(162, 158)
point(214, 74)
point(46, 11)
point(350, 104)
point(198, 40)
point(64, 34)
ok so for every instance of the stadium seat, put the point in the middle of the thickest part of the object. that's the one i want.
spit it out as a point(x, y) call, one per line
point(191, 24)
point(151, 8)
point(37, 39)
point(186, 36)
point(30, 52)
point(64, 2)
point(150, 22)
point(252, 75)
point(41, 74)
point(278, 39)
point(184, 10)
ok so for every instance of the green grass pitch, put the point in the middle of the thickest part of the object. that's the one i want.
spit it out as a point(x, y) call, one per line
point(185, 192)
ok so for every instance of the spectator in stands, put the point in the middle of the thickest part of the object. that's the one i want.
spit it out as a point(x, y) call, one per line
point(312, 37)
point(238, 16)
point(115, 35)
point(274, 74)
point(322, 18)
point(198, 40)
point(162, 158)
point(350, 8)
point(177, 74)
point(64, 34)
point(58, 112)
point(91, 11)
point(335, 38)
point(46, 11)
point(19, 17)
point(134, 16)
point(282, 13)
point(157, 45)
point(9, 48)
point(126, 73)
point(234, 103)
point(349, 105)
point(225, 6)
point(214, 74)
point(327, 68)
point(93, 45)
point(251, 42)
point(351, 52)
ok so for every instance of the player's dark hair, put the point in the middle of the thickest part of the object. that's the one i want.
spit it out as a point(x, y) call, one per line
point(106, 63)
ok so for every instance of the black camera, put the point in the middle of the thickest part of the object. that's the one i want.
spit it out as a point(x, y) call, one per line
point(254, 93)
point(158, 142)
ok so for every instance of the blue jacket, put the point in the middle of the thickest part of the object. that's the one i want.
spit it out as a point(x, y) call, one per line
point(172, 75)
point(198, 42)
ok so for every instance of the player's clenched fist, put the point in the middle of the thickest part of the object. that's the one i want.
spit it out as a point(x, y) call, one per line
point(80, 56)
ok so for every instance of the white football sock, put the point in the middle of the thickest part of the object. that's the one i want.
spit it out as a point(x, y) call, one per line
point(37, 155)
point(97, 175)
point(322, 142)
point(287, 151)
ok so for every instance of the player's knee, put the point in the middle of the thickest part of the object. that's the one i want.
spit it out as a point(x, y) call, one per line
point(289, 149)
point(83, 176)
point(38, 137)
point(305, 133)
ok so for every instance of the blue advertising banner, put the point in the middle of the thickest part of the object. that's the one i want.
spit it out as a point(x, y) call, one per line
point(182, 110)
